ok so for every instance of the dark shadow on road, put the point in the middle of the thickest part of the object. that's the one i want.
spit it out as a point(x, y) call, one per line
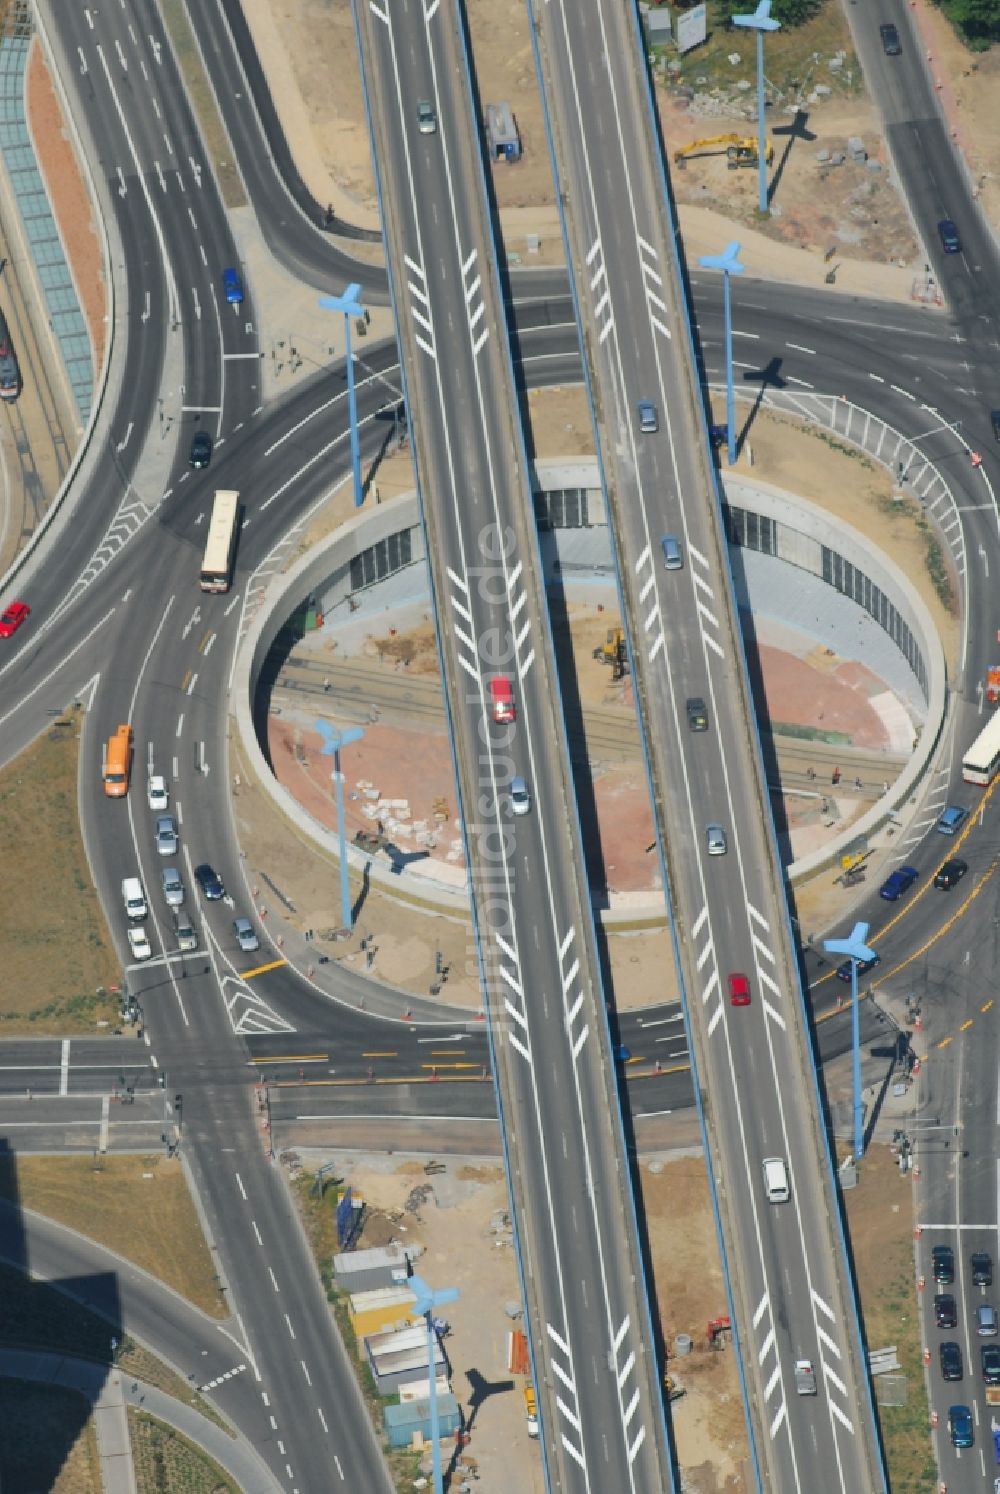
point(768, 377)
point(81, 1316)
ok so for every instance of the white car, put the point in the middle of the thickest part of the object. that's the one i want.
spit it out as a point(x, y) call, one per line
point(139, 944)
point(520, 798)
point(157, 793)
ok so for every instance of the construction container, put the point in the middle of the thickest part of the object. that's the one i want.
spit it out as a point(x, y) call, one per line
point(379, 1309)
point(404, 1422)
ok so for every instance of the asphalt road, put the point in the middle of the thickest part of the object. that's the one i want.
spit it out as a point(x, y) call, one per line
point(594, 1359)
point(111, 624)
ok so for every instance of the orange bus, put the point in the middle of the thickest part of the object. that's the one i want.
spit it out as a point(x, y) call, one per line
point(118, 763)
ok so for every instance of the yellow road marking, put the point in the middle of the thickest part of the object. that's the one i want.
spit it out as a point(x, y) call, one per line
point(973, 822)
point(944, 1042)
point(292, 1058)
point(389, 1053)
point(262, 969)
point(966, 1025)
point(986, 1005)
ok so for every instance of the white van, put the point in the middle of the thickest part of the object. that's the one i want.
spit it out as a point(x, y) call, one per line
point(134, 899)
point(776, 1180)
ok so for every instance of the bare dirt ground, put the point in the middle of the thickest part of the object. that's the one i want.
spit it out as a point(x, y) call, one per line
point(467, 1202)
point(71, 203)
point(309, 52)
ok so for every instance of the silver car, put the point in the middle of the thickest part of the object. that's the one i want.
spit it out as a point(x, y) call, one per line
point(246, 938)
point(173, 887)
point(166, 835)
point(187, 939)
point(715, 838)
point(520, 799)
point(427, 120)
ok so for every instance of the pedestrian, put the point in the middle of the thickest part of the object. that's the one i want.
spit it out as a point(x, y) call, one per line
point(326, 687)
point(835, 777)
point(811, 774)
point(858, 784)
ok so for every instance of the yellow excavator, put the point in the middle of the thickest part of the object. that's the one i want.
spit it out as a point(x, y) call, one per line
point(741, 150)
point(614, 652)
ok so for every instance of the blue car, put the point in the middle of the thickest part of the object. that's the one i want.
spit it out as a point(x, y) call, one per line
point(900, 881)
point(960, 1426)
point(844, 970)
point(950, 241)
point(233, 287)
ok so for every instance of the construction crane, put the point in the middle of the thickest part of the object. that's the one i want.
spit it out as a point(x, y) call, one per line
point(741, 150)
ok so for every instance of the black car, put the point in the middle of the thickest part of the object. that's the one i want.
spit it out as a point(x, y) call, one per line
point(995, 423)
point(945, 1313)
point(891, 45)
point(950, 241)
point(201, 450)
point(982, 1269)
point(951, 1361)
point(697, 713)
point(844, 970)
point(942, 1260)
point(991, 1364)
point(211, 885)
point(951, 872)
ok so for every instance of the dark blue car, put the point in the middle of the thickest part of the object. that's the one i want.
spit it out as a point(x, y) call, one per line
point(900, 881)
point(960, 1426)
point(844, 970)
point(950, 241)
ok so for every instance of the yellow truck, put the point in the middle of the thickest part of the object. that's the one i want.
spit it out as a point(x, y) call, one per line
point(118, 763)
point(531, 1410)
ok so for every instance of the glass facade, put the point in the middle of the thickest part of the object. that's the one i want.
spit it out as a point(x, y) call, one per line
point(382, 560)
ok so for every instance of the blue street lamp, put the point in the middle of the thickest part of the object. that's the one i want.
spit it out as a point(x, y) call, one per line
point(333, 740)
point(425, 1304)
point(856, 950)
point(350, 305)
point(728, 262)
point(760, 22)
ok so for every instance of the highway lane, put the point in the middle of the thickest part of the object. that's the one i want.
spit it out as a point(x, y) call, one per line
point(592, 1347)
point(959, 1182)
point(788, 1279)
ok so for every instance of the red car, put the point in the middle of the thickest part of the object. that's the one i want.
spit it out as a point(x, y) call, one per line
point(13, 618)
point(739, 990)
point(502, 707)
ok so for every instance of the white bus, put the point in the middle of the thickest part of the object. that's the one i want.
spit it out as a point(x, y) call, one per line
point(982, 761)
point(223, 527)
